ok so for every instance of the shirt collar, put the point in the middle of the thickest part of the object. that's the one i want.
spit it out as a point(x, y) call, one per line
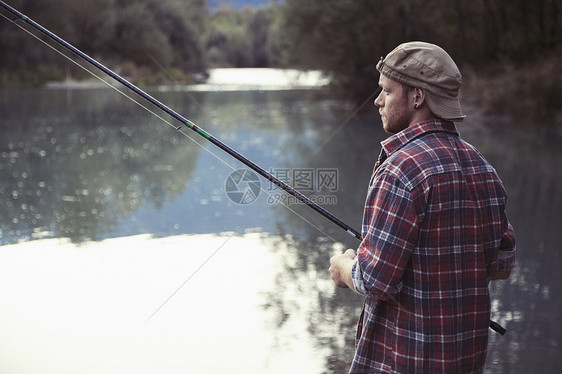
point(397, 141)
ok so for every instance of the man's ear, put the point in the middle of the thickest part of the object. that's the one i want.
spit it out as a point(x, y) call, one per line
point(419, 96)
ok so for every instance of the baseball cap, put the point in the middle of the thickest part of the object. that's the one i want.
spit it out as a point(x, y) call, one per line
point(427, 66)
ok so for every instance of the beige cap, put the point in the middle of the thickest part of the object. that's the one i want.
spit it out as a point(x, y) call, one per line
point(427, 66)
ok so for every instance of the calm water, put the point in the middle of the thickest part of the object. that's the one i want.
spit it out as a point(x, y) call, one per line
point(107, 211)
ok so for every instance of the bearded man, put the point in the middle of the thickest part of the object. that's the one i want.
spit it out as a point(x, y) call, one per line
point(435, 230)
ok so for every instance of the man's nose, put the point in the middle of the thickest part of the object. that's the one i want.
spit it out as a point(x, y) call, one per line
point(378, 101)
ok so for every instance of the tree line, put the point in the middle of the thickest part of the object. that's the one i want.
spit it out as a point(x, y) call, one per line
point(143, 33)
point(344, 38)
point(348, 37)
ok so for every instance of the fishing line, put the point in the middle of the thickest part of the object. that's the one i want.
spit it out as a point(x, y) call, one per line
point(16, 22)
point(203, 263)
point(179, 129)
point(192, 97)
point(192, 126)
point(190, 276)
point(216, 122)
point(348, 119)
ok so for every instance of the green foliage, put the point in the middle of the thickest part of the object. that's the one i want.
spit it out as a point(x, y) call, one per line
point(142, 37)
point(227, 43)
point(347, 37)
point(133, 34)
point(243, 38)
point(151, 34)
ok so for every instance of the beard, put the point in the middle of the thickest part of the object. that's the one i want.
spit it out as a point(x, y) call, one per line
point(396, 120)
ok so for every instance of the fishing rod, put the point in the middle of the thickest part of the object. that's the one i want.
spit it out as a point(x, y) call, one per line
point(192, 126)
point(189, 124)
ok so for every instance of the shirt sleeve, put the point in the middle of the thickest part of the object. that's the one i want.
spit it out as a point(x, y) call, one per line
point(506, 254)
point(390, 233)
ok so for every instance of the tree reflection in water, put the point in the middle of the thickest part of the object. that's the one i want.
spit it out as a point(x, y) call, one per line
point(77, 175)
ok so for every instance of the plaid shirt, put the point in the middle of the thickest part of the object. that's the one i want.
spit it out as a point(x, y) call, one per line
point(435, 230)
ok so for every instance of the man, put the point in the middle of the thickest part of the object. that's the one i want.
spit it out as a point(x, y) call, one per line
point(434, 227)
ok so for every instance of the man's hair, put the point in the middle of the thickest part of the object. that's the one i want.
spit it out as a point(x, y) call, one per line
point(406, 88)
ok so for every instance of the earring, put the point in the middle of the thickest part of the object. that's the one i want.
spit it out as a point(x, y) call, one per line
point(415, 106)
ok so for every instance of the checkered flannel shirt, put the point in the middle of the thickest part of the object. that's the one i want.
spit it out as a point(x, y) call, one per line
point(434, 230)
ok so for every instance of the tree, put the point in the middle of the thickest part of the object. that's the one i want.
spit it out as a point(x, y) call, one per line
point(132, 34)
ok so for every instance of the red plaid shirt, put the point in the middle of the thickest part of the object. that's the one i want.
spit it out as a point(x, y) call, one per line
point(435, 230)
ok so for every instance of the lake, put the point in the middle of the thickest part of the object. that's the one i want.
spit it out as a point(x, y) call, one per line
point(129, 246)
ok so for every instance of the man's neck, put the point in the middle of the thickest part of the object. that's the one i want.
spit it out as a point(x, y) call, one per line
point(422, 114)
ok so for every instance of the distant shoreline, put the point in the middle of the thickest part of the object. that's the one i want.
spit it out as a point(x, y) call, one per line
point(223, 79)
point(500, 93)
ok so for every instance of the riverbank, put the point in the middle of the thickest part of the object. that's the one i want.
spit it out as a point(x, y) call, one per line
point(528, 94)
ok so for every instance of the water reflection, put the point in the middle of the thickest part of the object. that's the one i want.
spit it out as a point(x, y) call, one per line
point(75, 165)
point(304, 292)
point(83, 308)
point(90, 165)
point(529, 303)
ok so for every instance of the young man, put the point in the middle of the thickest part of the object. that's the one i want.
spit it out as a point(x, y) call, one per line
point(434, 227)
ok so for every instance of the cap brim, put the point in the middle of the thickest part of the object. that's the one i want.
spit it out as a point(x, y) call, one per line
point(445, 107)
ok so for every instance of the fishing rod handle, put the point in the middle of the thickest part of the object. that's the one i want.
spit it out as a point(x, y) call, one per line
point(497, 327)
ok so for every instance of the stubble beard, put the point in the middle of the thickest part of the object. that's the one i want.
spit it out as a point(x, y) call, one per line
point(395, 122)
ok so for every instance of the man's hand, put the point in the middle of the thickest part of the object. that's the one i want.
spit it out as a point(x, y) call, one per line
point(340, 269)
